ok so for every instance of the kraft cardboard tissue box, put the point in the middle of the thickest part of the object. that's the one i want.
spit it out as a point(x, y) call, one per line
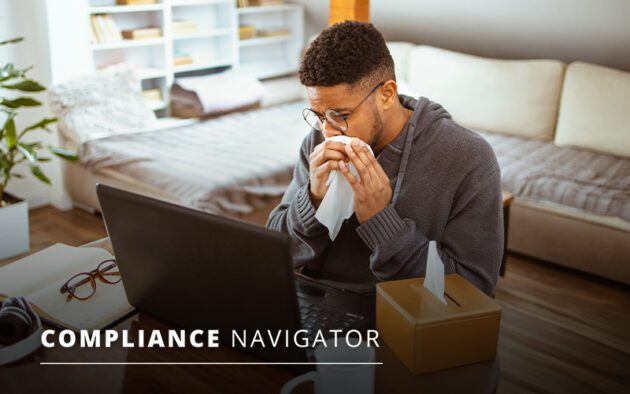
point(428, 335)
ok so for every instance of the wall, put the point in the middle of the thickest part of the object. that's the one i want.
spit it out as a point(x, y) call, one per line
point(29, 19)
point(590, 30)
point(26, 19)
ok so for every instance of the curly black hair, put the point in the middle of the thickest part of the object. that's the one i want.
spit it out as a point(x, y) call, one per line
point(349, 52)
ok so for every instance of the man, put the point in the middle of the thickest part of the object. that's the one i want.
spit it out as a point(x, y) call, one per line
point(430, 179)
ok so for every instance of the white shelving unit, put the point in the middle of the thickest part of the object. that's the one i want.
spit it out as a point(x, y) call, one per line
point(215, 45)
point(266, 57)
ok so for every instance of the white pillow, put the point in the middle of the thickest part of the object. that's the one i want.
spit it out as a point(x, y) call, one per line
point(595, 109)
point(106, 103)
point(517, 97)
point(400, 54)
point(405, 88)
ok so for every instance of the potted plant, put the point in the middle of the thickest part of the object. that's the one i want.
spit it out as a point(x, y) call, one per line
point(14, 151)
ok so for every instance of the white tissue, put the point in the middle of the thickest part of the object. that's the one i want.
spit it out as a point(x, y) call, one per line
point(434, 277)
point(338, 203)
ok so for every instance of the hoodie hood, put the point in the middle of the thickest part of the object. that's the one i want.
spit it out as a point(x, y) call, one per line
point(425, 114)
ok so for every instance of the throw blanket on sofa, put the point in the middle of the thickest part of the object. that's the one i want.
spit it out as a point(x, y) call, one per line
point(594, 182)
point(228, 165)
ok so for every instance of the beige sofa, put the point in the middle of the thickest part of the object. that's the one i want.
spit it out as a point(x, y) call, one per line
point(562, 137)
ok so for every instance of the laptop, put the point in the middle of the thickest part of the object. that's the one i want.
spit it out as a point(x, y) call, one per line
point(197, 270)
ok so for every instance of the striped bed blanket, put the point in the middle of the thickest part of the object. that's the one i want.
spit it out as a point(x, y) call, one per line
point(228, 165)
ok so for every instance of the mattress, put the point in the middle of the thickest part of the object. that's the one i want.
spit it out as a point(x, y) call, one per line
point(230, 165)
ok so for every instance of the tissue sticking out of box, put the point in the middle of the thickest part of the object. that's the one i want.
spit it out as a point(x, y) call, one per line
point(434, 276)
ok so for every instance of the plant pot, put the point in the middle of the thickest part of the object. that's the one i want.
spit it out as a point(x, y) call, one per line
point(13, 227)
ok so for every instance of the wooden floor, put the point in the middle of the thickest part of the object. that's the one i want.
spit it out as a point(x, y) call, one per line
point(561, 331)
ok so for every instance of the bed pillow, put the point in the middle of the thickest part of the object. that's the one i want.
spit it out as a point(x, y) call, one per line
point(106, 103)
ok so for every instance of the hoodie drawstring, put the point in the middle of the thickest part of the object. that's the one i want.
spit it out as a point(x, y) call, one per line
point(403, 163)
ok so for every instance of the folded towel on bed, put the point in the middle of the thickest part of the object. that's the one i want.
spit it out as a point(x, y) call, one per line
point(214, 94)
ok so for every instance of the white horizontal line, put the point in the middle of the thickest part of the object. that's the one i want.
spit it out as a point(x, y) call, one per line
point(209, 363)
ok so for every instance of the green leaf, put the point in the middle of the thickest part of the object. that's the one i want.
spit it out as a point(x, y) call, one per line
point(12, 41)
point(43, 159)
point(9, 72)
point(10, 137)
point(4, 163)
point(16, 175)
point(20, 102)
point(33, 145)
point(41, 124)
point(35, 170)
point(64, 153)
point(27, 85)
point(27, 152)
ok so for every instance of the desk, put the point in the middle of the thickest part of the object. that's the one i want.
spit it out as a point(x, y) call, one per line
point(28, 376)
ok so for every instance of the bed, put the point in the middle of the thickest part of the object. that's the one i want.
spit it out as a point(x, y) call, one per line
point(237, 165)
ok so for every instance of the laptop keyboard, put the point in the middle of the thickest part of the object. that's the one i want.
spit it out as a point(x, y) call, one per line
point(317, 318)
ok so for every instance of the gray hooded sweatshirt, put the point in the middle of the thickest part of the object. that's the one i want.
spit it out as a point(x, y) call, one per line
point(446, 187)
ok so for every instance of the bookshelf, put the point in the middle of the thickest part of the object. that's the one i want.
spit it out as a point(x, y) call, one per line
point(194, 37)
point(270, 54)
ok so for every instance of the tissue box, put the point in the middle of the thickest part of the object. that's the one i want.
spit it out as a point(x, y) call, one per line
point(428, 335)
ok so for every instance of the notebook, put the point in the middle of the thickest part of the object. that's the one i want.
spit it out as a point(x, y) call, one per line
point(39, 277)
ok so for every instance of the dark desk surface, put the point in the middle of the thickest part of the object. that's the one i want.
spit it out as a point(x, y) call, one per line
point(28, 376)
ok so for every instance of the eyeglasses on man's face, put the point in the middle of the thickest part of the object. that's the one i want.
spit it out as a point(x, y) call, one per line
point(83, 285)
point(338, 121)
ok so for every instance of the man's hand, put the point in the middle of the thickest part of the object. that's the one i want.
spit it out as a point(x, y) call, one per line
point(324, 158)
point(372, 193)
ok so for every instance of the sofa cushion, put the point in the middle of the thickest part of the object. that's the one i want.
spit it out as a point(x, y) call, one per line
point(595, 109)
point(405, 88)
point(518, 97)
point(400, 53)
point(538, 170)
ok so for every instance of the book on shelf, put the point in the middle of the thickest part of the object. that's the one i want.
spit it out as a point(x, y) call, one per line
point(104, 29)
point(262, 3)
point(152, 95)
point(135, 2)
point(183, 27)
point(142, 33)
point(112, 28)
point(273, 32)
point(97, 36)
point(100, 24)
point(246, 32)
point(39, 277)
point(180, 60)
point(257, 3)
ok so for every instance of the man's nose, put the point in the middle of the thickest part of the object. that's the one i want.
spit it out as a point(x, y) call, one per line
point(329, 131)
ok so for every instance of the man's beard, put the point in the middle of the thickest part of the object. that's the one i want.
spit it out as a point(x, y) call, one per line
point(376, 135)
